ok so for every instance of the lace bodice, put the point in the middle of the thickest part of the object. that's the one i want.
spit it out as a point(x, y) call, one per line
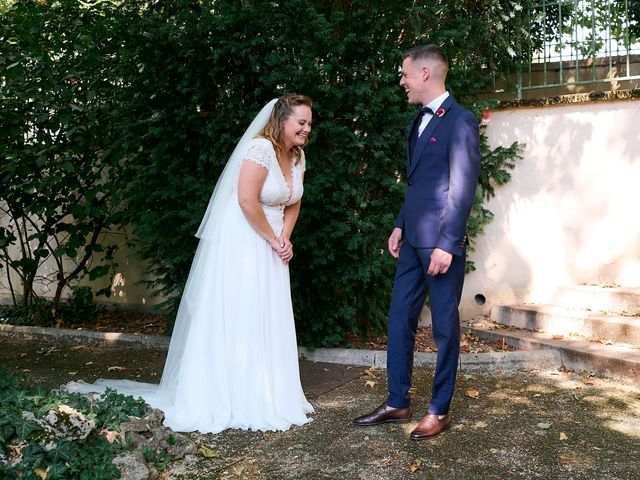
point(275, 192)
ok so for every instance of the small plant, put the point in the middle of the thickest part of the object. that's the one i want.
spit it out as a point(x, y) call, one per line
point(159, 459)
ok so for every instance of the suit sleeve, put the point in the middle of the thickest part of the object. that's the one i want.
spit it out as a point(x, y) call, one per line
point(464, 168)
point(400, 219)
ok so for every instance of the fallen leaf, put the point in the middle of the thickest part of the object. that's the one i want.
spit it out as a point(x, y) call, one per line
point(472, 393)
point(536, 395)
point(110, 435)
point(369, 383)
point(22, 355)
point(563, 436)
point(58, 323)
point(480, 424)
point(89, 363)
point(413, 390)
point(415, 466)
point(17, 449)
point(589, 382)
point(72, 373)
point(208, 453)
point(368, 372)
point(115, 369)
point(435, 466)
point(42, 473)
point(558, 337)
point(493, 450)
point(545, 426)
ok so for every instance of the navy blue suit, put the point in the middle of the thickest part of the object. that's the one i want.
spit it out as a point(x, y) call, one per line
point(442, 175)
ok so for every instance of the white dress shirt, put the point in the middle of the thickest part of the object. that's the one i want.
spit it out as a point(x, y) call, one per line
point(434, 105)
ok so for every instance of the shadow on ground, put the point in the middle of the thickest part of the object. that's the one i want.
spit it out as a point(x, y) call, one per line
point(551, 425)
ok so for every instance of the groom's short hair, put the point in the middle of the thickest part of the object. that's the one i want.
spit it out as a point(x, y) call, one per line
point(429, 53)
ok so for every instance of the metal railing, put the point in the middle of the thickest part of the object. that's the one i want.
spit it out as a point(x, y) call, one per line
point(577, 42)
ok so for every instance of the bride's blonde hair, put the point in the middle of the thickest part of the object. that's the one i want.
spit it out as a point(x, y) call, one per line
point(282, 110)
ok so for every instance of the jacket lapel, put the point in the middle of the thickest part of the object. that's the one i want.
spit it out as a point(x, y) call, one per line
point(410, 135)
point(423, 140)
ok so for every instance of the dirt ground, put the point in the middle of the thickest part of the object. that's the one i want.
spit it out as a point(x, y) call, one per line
point(157, 324)
point(535, 424)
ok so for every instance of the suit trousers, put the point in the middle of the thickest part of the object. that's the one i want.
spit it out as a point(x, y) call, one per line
point(410, 288)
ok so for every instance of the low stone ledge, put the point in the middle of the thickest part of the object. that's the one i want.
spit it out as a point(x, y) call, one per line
point(86, 336)
point(469, 362)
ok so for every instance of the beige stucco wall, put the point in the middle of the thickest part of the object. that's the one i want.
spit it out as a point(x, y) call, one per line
point(570, 213)
point(125, 283)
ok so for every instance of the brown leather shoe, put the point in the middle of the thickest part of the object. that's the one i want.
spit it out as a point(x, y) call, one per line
point(381, 415)
point(430, 426)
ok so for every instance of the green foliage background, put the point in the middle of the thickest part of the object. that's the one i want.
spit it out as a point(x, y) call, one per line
point(191, 75)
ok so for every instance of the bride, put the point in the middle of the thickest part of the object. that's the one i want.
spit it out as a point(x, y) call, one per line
point(232, 360)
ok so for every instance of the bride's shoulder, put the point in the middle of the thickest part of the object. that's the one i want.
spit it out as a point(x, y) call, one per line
point(260, 150)
point(261, 142)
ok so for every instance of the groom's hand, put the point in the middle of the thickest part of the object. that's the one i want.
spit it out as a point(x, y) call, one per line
point(440, 262)
point(395, 242)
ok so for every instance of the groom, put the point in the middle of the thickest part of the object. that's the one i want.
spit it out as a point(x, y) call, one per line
point(429, 239)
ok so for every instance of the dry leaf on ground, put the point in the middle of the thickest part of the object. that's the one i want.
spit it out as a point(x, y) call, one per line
point(42, 473)
point(208, 453)
point(472, 393)
point(415, 466)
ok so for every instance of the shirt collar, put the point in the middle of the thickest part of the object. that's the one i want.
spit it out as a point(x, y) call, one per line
point(437, 102)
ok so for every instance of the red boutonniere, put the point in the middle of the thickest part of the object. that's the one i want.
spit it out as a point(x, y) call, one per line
point(440, 112)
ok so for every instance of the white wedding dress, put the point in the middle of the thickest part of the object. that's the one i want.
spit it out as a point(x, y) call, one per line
point(232, 361)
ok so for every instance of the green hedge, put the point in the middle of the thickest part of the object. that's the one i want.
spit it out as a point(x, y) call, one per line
point(191, 76)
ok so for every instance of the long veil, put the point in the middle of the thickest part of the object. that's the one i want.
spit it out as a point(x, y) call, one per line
point(222, 194)
point(181, 393)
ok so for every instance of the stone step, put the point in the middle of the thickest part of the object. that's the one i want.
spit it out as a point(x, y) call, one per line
point(563, 321)
point(613, 361)
point(599, 299)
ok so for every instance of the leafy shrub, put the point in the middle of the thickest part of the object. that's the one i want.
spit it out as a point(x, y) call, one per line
point(22, 451)
point(189, 77)
point(345, 56)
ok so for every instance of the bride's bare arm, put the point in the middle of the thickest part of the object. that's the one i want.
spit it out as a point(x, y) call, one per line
point(290, 218)
point(291, 215)
point(252, 177)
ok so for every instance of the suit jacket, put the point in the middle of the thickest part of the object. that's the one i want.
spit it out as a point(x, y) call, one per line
point(442, 176)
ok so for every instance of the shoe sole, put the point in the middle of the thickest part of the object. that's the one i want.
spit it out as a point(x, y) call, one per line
point(402, 420)
point(417, 439)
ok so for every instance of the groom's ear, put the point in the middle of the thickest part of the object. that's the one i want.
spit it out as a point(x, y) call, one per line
point(426, 73)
